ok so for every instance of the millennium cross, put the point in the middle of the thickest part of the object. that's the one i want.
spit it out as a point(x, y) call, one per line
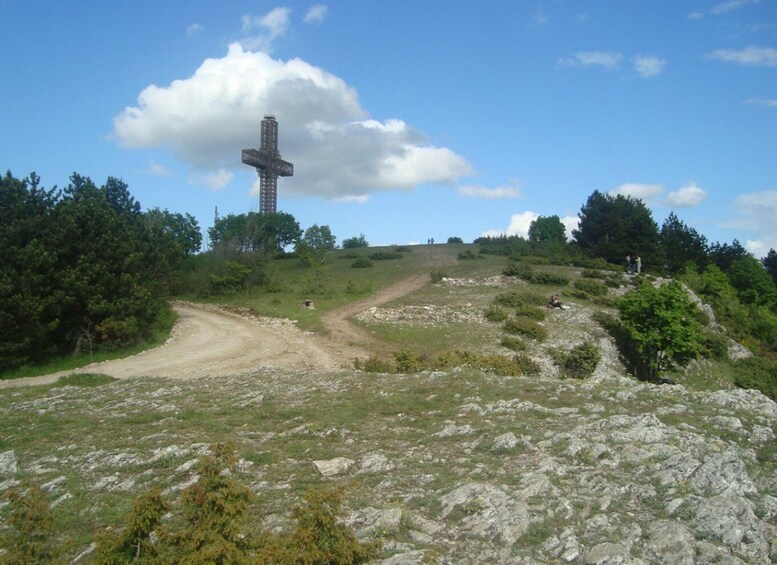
point(269, 165)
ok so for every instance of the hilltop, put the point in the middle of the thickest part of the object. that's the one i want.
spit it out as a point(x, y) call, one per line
point(450, 466)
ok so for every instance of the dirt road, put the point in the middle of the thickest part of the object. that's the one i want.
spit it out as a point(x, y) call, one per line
point(209, 340)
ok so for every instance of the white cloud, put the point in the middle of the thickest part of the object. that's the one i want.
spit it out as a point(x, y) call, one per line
point(193, 29)
point(216, 180)
point(316, 14)
point(768, 102)
point(686, 196)
point(512, 190)
point(270, 26)
point(645, 192)
point(570, 223)
point(751, 56)
point(159, 170)
point(605, 59)
point(756, 211)
point(206, 119)
point(648, 66)
point(722, 8)
point(519, 225)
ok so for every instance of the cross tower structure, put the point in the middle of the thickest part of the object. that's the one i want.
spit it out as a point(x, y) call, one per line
point(268, 164)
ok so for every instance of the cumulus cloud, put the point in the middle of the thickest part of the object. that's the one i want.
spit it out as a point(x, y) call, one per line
point(512, 190)
point(606, 59)
point(648, 193)
point(520, 224)
point(648, 66)
point(316, 14)
point(206, 119)
point(264, 30)
point(756, 211)
point(751, 56)
point(686, 196)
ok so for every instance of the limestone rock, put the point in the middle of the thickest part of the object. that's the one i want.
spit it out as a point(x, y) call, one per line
point(333, 467)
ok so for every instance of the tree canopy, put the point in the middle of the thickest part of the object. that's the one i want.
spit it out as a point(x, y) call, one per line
point(547, 229)
point(682, 245)
point(612, 227)
point(79, 268)
point(254, 232)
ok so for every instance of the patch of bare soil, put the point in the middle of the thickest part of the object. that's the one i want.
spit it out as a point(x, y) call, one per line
point(217, 341)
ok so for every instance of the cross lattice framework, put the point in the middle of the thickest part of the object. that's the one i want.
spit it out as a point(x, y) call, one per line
point(269, 165)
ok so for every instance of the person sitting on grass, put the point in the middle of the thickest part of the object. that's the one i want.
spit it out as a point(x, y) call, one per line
point(554, 301)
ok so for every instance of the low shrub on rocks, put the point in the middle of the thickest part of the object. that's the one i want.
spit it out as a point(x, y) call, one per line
point(513, 343)
point(531, 312)
point(384, 256)
point(581, 361)
point(362, 263)
point(592, 287)
point(525, 327)
point(495, 313)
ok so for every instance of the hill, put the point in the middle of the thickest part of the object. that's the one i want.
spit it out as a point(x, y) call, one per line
point(451, 466)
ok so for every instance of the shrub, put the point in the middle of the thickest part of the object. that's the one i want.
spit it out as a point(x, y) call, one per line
point(758, 373)
point(467, 255)
point(374, 364)
point(526, 327)
point(594, 288)
point(531, 312)
point(402, 249)
point(495, 314)
point(438, 275)
point(518, 269)
point(581, 361)
point(549, 278)
point(362, 263)
point(385, 256)
point(408, 362)
point(455, 239)
point(527, 365)
point(26, 537)
point(714, 345)
point(319, 537)
point(513, 343)
point(510, 299)
point(348, 255)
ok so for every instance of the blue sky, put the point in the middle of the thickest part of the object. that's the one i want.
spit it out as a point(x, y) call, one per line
point(405, 120)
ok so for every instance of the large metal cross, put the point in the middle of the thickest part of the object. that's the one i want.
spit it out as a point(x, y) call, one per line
point(269, 165)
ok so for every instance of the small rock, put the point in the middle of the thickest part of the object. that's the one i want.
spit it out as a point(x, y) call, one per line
point(333, 467)
point(8, 463)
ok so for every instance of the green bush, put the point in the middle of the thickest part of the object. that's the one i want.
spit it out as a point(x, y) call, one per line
point(437, 276)
point(714, 345)
point(510, 299)
point(526, 327)
point(385, 256)
point(467, 255)
point(518, 269)
point(513, 343)
point(26, 537)
point(549, 278)
point(362, 263)
point(402, 249)
point(374, 364)
point(495, 314)
point(581, 361)
point(531, 312)
point(759, 373)
point(408, 362)
point(594, 288)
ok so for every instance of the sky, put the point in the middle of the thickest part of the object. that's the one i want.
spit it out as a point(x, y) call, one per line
point(405, 120)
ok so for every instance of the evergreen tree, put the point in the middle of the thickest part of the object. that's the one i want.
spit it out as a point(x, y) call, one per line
point(612, 227)
point(770, 264)
point(723, 255)
point(682, 245)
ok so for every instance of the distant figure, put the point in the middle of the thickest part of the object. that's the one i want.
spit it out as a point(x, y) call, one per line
point(554, 301)
point(629, 265)
point(638, 264)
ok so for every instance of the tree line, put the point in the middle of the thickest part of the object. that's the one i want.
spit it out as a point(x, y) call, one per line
point(82, 267)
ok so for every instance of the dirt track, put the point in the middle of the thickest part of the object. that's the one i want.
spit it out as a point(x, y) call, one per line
point(209, 340)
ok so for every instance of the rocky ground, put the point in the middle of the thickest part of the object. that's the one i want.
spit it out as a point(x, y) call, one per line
point(453, 467)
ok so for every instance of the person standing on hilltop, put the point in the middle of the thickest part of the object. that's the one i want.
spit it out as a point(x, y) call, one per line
point(638, 264)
